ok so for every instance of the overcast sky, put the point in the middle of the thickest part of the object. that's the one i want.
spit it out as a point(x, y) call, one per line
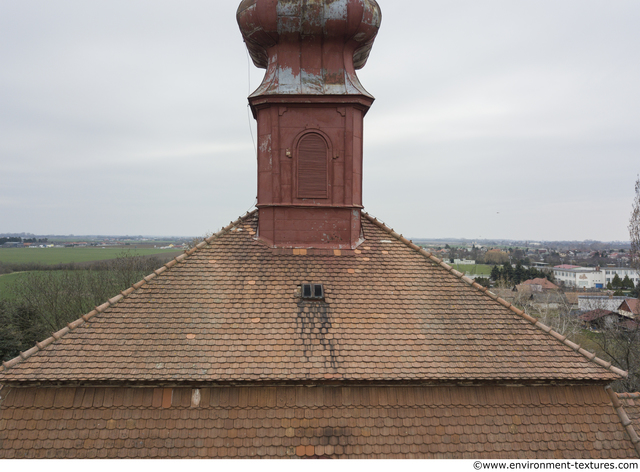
point(493, 119)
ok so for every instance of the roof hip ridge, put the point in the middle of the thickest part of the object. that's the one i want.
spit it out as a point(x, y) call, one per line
point(628, 394)
point(535, 322)
point(6, 365)
point(627, 424)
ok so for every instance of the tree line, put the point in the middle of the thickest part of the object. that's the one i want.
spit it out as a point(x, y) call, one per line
point(21, 240)
point(43, 302)
point(514, 276)
point(621, 284)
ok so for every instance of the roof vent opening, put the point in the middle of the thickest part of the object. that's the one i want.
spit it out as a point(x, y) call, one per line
point(312, 291)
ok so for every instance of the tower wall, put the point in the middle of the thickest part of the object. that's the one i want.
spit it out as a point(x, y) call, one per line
point(310, 109)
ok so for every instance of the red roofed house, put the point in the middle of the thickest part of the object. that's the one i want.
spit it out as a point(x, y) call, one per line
point(538, 285)
point(307, 328)
point(599, 319)
point(631, 306)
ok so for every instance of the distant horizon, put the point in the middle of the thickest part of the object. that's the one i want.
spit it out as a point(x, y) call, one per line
point(415, 239)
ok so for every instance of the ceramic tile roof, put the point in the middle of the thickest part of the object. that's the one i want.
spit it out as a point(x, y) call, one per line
point(627, 406)
point(596, 314)
point(632, 305)
point(631, 404)
point(230, 310)
point(545, 422)
point(544, 283)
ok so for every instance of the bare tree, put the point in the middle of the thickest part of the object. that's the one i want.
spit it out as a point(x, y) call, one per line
point(552, 309)
point(496, 256)
point(45, 301)
point(195, 241)
point(620, 343)
point(615, 338)
point(634, 229)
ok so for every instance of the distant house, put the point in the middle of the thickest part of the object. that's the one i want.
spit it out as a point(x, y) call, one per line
point(630, 305)
point(463, 262)
point(595, 302)
point(599, 319)
point(548, 299)
point(537, 285)
point(581, 277)
point(522, 294)
point(539, 265)
point(621, 272)
point(592, 277)
point(77, 244)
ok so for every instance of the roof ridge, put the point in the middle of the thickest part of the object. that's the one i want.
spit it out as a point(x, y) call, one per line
point(632, 395)
point(624, 418)
point(559, 337)
point(124, 294)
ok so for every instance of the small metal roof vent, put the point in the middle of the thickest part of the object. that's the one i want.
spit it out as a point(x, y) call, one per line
point(312, 291)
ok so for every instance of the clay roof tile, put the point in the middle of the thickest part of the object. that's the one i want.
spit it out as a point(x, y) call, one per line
point(409, 318)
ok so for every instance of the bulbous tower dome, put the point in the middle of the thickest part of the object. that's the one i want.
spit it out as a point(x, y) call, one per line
point(310, 111)
point(309, 47)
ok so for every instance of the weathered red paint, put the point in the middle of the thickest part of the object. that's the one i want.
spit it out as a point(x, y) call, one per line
point(311, 50)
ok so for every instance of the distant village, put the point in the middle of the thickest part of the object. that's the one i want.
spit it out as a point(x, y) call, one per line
point(596, 284)
point(577, 267)
point(15, 241)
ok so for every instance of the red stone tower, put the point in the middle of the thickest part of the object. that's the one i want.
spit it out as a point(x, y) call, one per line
point(310, 110)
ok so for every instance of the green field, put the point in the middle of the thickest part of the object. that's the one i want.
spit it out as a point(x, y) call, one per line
point(478, 269)
point(6, 282)
point(65, 255)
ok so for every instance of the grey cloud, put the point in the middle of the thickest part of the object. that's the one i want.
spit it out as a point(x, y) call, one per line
point(130, 117)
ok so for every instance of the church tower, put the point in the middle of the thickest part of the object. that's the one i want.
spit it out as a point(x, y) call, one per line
point(310, 109)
